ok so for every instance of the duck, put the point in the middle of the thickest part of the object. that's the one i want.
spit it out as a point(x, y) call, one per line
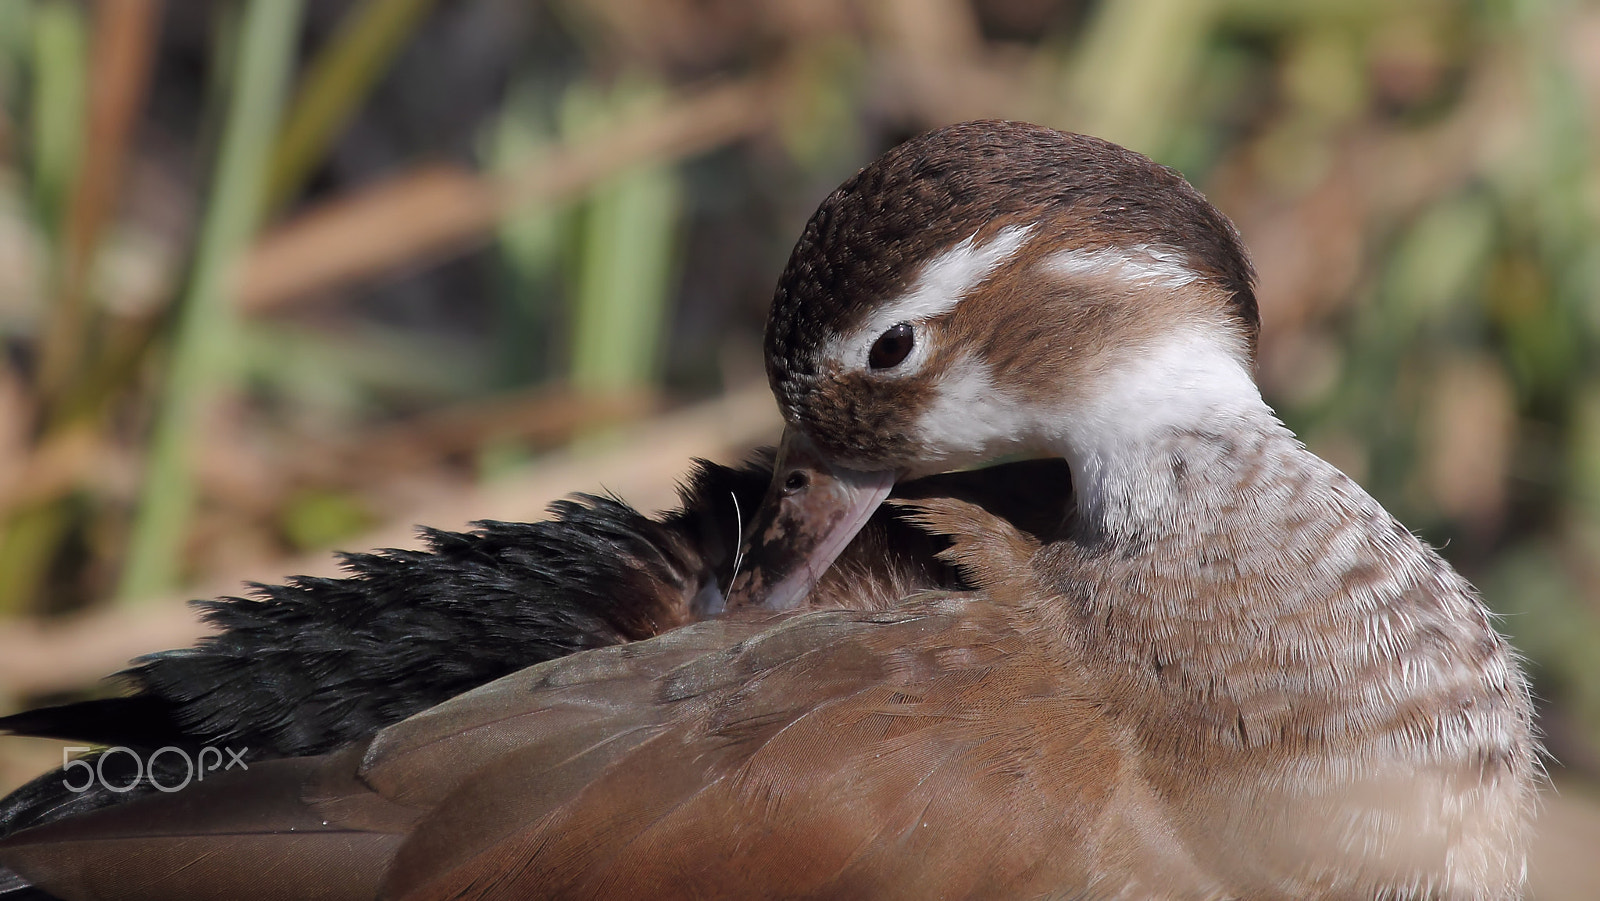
point(1220, 669)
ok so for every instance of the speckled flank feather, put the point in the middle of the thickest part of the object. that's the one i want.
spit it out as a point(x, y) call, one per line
point(1295, 663)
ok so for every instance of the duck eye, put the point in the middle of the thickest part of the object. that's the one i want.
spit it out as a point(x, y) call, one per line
point(892, 347)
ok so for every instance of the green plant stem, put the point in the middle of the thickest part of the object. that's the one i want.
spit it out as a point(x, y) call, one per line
point(59, 89)
point(529, 241)
point(202, 330)
point(625, 260)
point(123, 50)
point(1135, 60)
point(335, 83)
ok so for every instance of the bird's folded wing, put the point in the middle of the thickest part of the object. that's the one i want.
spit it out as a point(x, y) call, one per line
point(922, 751)
point(919, 752)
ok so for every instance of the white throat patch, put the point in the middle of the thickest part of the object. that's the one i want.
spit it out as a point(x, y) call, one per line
point(971, 420)
point(1192, 380)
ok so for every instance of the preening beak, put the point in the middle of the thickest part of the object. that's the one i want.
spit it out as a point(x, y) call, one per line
point(811, 511)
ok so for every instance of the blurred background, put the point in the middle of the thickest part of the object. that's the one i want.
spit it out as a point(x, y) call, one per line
point(281, 277)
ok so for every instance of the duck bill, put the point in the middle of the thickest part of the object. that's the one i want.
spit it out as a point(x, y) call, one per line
point(811, 511)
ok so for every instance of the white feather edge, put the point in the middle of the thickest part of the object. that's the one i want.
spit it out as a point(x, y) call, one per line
point(940, 286)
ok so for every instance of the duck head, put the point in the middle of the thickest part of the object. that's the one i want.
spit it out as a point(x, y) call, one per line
point(988, 289)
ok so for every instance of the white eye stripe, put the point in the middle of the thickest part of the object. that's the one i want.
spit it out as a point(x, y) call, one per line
point(939, 288)
point(945, 281)
point(1141, 263)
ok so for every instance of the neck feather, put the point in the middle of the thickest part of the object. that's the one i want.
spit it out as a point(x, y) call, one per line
point(1211, 551)
point(1118, 442)
point(1259, 620)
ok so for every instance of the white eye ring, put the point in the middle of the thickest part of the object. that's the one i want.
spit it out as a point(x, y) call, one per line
point(892, 347)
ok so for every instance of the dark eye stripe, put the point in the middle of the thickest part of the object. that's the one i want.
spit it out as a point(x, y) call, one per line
point(892, 347)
